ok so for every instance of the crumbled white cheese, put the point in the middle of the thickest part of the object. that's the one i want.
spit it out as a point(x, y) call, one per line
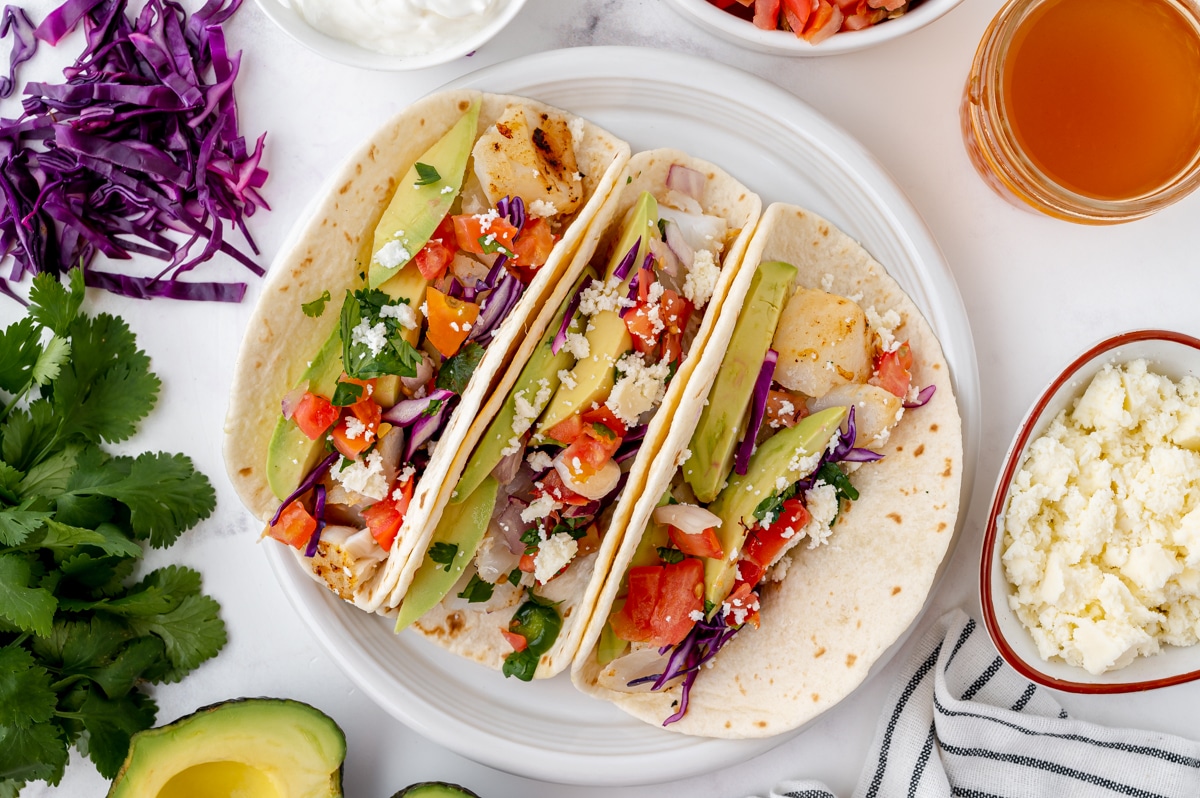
point(827, 283)
point(539, 461)
point(526, 413)
point(822, 503)
point(683, 457)
point(356, 429)
point(538, 508)
point(696, 615)
point(373, 336)
point(392, 254)
point(402, 312)
point(577, 344)
point(447, 189)
point(575, 128)
point(605, 295)
point(702, 278)
point(779, 570)
point(802, 465)
point(638, 389)
point(553, 554)
point(568, 381)
point(542, 208)
point(885, 327)
point(364, 477)
point(1102, 526)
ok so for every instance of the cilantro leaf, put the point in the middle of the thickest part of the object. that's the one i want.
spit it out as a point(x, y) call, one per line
point(18, 523)
point(456, 372)
point(106, 537)
point(315, 308)
point(836, 477)
point(50, 362)
point(20, 346)
point(28, 434)
point(346, 393)
point(10, 480)
point(110, 725)
point(26, 696)
point(426, 175)
point(521, 664)
point(477, 590)
point(164, 493)
point(52, 304)
point(29, 754)
point(50, 477)
point(443, 554)
point(670, 555)
point(31, 609)
point(104, 576)
point(514, 576)
point(386, 351)
point(192, 631)
point(120, 675)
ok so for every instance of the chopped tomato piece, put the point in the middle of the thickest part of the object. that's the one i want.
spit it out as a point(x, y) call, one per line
point(602, 415)
point(528, 563)
point(672, 347)
point(766, 14)
point(450, 320)
point(796, 13)
point(484, 232)
point(352, 443)
point(518, 642)
point(697, 544)
point(675, 311)
point(748, 572)
point(784, 409)
point(742, 606)
point(567, 430)
point(634, 621)
point(645, 280)
point(385, 517)
point(588, 454)
point(533, 245)
point(642, 329)
point(314, 414)
point(433, 259)
point(680, 599)
point(764, 543)
point(892, 372)
point(294, 527)
point(553, 486)
point(825, 21)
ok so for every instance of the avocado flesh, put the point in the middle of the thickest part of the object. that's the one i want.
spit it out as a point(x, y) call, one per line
point(608, 338)
point(435, 789)
point(462, 525)
point(267, 747)
point(415, 211)
point(716, 436)
point(291, 454)
point(736, 503)
point(409, 284)
point(543, 364)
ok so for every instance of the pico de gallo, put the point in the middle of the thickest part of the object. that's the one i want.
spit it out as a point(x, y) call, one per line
point(815, 20)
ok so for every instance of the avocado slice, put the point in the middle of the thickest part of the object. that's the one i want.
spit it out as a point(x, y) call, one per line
point(543, 364)
point(608, 338)
point(266, 747)
point(463, 525)
point(291, 454)
point(421, 202)
point(736, 503)
point(717, 435)
point(435, 789)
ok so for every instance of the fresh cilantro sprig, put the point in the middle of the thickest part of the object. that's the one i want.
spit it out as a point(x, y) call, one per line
point(384, 351)
point(456, 372)
point(443, 554)
point(426, 175)
point(77, 636)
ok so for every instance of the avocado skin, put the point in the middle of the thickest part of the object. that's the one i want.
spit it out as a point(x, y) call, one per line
point(245, 721)
point(435, 789)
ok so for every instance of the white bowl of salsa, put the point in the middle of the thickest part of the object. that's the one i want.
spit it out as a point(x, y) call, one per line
point(733, 22)
point(391, 35)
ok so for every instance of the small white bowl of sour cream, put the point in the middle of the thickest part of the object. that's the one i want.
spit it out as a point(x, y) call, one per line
point(391, 35)
point(1170, 354)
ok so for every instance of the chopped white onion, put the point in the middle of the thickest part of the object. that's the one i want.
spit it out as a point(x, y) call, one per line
point(291, 399)
point(424, 372)
point(597, 486)
point(687, 518)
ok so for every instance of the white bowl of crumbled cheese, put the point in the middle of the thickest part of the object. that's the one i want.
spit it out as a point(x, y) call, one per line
point(391, 34)
point(1090, 575)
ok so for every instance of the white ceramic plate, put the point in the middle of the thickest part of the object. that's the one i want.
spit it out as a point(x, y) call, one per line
point(784, 150)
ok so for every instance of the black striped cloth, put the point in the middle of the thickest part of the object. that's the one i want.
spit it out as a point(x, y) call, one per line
point(960, 723)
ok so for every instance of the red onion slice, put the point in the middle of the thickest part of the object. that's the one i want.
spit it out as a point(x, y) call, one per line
point(407, 412)
point(758, 407)
point(686, 181)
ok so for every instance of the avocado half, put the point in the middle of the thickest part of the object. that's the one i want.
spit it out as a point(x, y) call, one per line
point(265, 747)
point(435, 789)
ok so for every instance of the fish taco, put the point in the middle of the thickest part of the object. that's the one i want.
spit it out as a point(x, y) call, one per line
point(381, 330)
point(511, 572)
point(800, 507)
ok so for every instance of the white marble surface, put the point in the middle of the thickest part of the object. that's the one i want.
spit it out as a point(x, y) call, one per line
point(1037, 292)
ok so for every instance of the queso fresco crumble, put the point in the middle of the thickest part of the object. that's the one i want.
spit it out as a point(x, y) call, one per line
point(1102, 528)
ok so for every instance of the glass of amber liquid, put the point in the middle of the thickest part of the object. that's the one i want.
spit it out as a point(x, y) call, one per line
point(1087, 110)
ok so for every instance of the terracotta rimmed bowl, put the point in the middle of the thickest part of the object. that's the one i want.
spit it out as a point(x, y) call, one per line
point(1169, 353)
point(744, 33)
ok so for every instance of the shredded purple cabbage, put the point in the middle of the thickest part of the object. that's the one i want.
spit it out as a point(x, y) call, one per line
point(16, 21)
point(622, 270)
point(560, 338)
point(425, 427)
point(631, 297)
point(407, 412)
point(138, 152)
point(306, 484)
point(495, 308)
point(922, 398)
point(319, 513)
point(758, 409)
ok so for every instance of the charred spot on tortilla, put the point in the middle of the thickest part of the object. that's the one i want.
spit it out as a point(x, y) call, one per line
point(895, 517)
point(455, 622)
point(920, 450)
point(949, 468)
point(933, 427)
point(820, 652)
point(851, 659)
point(504, 130)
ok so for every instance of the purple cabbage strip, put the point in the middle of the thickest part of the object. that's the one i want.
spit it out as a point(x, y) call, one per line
point(306, 484)
point(622, 270)
point(455, 289)
point(407, 412)
point(560, 338)
point(319, 513)
point(426, 427)
point(758, 409)
point(25, 45)
point(495, 308)
point(844, 450)
point(922, 398)
point(137, 151)
point(632, 295)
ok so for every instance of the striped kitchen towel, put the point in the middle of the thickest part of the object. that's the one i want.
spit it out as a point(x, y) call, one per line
point(959, 722)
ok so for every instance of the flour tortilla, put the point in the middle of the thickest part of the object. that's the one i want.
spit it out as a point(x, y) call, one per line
point(329, 253)
point(842, 604)
point(473, 632)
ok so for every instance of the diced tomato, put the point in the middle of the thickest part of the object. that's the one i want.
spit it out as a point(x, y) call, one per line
point(641, 329)
point(591, 452)
point(472, 236)
point(567, 430)
point(602, 415)
point(527, 564)
point(680, 594)
point(533, 245)
point(294, 527)
point(796, 12)
point(553, 486)
point(766, 14)
point(351, 446)
point(825, 21)
point(433, 259)
point(518, 642)
point(385, 517)
point(672, 347)
point(645, 280)
point(892, 371)
point(784, 409)
point(749, 572)
point(722, 3)
point(314, 414)
point(450, 320)
point(742, 606)
point(697, 544)
point(675, 311)
point(764, 543)
point(634, 621)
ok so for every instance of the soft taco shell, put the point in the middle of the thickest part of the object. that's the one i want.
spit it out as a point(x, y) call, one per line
point(474, 633)
point(843, 604)
point(328, 254)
